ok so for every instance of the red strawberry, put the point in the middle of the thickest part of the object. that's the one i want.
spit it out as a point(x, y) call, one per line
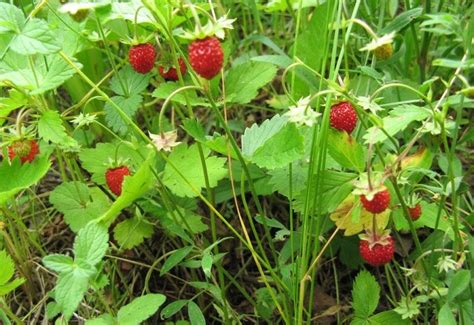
point(171, 73)
point(415, 212)
point(114, 178)
point(379, 202)
point(25, 149)
point(142, 57)
point(343, 117)
point(377, 252)
point(206, 57)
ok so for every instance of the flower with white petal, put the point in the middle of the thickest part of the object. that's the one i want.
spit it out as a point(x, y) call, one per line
point(446, 264)
point(165, 141)
point(381, 46)
point(302, 113)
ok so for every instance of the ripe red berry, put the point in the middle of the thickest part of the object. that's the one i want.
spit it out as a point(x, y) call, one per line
point(378, 253)
point(206, 57)
point(171, 73)
point(114, 178)
point(26, 150)
point(142, 57)
point(415, 212)
point(379, 202)
point(343, 117)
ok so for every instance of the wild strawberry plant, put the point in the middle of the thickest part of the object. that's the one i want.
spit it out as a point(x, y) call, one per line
point(295, 162)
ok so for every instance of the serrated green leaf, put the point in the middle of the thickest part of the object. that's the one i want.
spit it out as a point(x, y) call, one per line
point(244, 80)
point(11, 18)
point(78, 203)
point(91, 243)
point(50, 128)
point(140, 309)
point(387, 318)
point(132, 232)
point(129, 106)
point(25, 175)
point(172, 308)
point(128, 82)
point(8, 267)
point(365, 304)
point(165, 89)
point(69, 291)
point(54, 74)
point(175, 258)
point(280, 179)
point(346, 151)
point(188, 163)
point(459, 283)
point(195, 314)
point(58, 263)
point(445, 316)
point(105, 319)
point(35, 38)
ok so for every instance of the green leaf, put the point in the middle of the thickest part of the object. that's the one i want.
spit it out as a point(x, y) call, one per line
point(129, 106)
point(346, 151)
point(78, 203)
point(105, 319)
point(50, 128)
point(91, 243)
point(244, 80)
point(35, 38)
point(58, 263)
point(8, 104)
point(445, 316)
point(128, 82)
point(364, 304)
point(10, 286)
point(140, 309)
point(132, 232)
point(8, 267)
point(402, 20)
point(3, 317)
point(25, 175)
point(398, 120)
point(195, 314)
point(272, 223)
point(70, 290)
point(273, 144)
point(185, 162)
point(280, 178)
point(206, 264)
point(54, 74)
point(165, 89)
point(11, 18)
point(172, 308)
point(175, 258)
point(387, 318)
point(459, 283)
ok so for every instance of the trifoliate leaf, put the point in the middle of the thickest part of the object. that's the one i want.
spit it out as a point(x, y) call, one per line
point(128, 105)
point(365, 294)
point(244, 80)
point(78, 203)
point(188, 164)
point(50, 128)
point(140, 309)
point(132, 232)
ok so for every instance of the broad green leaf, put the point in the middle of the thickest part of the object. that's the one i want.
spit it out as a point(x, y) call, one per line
point(58, 263)
point(11, 18)
point(346, 151)
point(50, 128)
point(128, 105)
point(184, 97)
point(8, 267)
point(445, 316)
point(280, 179)
point(387, 318)
point(398, 120)
point(54, 74)
point(182, 223)
point(133, 187)
point(195, 314)
point(175, 258)
point(78, 203)
point(459, 283)
point(273, 144)
point(172, 308)
point(128, 82)
point(35, 38)
point(140, 309)
point(95, 160)
point(244, 80)
point(91, 243)
point(206, 264)
point(10, 286)
point(70, 290)
point(25, 175)
point(364, 304)
point(132, 232)
point(128, 10)
point(185, 162)
point(9, 104)
point(105, 319)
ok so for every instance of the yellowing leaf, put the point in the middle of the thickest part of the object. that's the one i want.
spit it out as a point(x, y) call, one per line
point(342, 216)
point(421, 159)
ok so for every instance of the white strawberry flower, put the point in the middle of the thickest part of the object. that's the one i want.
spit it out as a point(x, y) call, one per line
point(302, 113)
point(446, 264)
point(165, 141)
point(378, 42)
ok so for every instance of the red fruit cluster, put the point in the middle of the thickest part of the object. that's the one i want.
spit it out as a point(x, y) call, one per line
point(415, 212)
point(379, 253)
point(379, 202)
point(343, 117)
point(142, 57)
point(171, 73)
point(114, 178)
point(26, 150)
point(206, 57)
